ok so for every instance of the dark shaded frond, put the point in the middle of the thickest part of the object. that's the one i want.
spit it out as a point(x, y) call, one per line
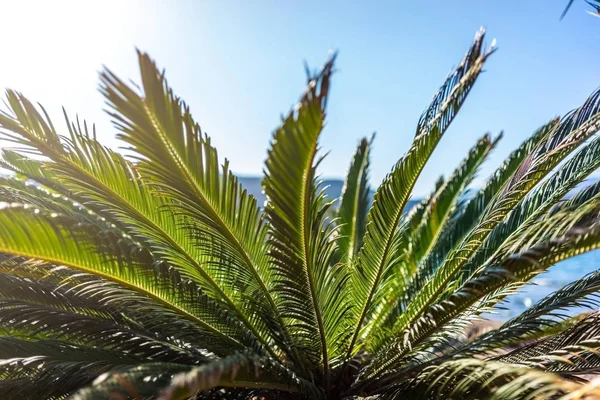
point(478, 379)
point(142, 381)
point(241, 371)
point(546, 313)
point(55, 302)
point(573, 351)
point(34, 306)
point(46, 369)
point(172, 381)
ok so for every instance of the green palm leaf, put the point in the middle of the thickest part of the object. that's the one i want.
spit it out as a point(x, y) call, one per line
point(42, 302)
point(570, 133)
point(434, 221)
point(543, 315)
point(482, 379)
point(105, 179)
point(300, 234)
point(444, 203)
point(464, 220)
point(382, 241)
point(38, 238)
point(516, 267)
point(182, 165)
point(509, 234)
point(415, 215)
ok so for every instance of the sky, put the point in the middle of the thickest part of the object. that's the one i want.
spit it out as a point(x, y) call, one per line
point(240, 66)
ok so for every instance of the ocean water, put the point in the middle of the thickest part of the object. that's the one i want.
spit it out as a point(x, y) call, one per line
point(553, 279)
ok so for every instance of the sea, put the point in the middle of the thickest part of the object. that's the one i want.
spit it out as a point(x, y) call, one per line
point(553, 279)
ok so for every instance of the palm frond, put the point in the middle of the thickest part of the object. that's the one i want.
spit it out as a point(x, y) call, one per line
point(509, 234)
point(434, 222)
point(471, 378)
point(37, 303)
point(36, 173)
point(444, 203)
point(465, 219)
point(589, 391)
point(105, 179)
point(578, 211)
point(157, 275)
point(573, 351)
point(595, 4)
point(543, 315)
point(15, 192)
point(573, 130)
point(382, 239)
point(50, 369)
point(38, 238)
point(581, 197)
point(241, 371)
point(223, 218)
point(173, 381)
point(139, 381)
point(514, 268)
point(415, 214)
point(300, 234)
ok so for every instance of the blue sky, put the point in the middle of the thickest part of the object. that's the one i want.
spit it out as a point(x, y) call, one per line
point(239, 65)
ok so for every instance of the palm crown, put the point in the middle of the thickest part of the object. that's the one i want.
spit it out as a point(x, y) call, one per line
point(159, 276)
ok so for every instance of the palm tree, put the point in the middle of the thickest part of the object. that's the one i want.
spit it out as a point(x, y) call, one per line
point(158, 276)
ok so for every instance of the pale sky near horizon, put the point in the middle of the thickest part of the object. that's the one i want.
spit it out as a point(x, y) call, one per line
point(239, 65)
